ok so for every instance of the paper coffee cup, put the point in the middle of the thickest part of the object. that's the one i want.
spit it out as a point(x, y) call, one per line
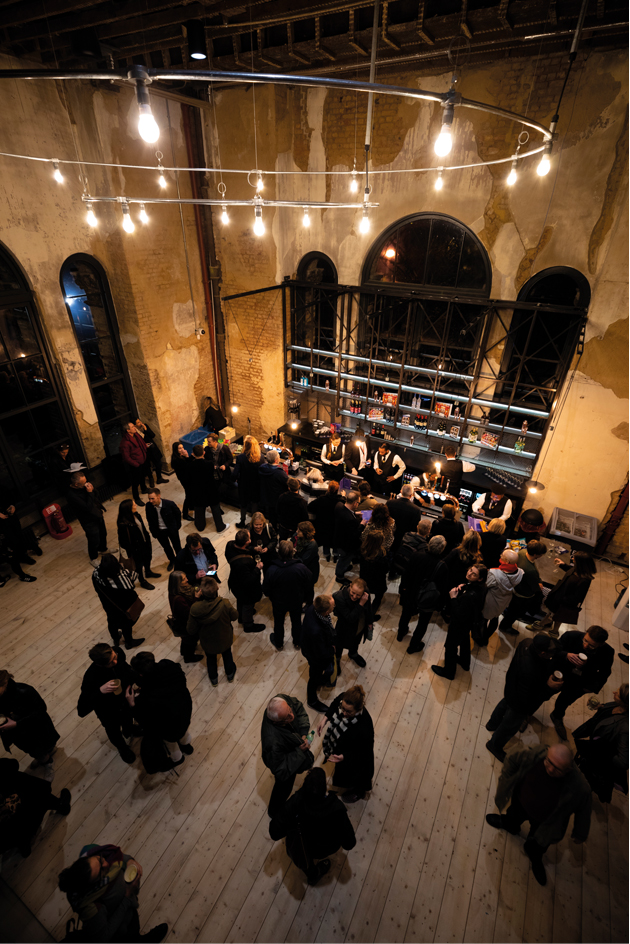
point(582, 656)
point(118, 689)
point(130, 872)
point(558, 675)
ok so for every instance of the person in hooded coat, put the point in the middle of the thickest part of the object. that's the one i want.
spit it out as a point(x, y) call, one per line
point(315, 824)
point(499, 589)
point(162, 706)
point(210, 620)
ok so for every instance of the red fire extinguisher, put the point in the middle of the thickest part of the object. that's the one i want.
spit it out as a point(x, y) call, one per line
point(55, 522)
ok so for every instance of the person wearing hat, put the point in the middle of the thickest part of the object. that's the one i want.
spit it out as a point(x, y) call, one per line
point(494, 504)
point(529, 681)
point(58, 461)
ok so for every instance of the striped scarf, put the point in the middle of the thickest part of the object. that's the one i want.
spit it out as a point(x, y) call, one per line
point(337, 726)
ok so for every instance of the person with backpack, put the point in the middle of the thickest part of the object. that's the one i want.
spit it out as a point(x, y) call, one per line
point(102, 891)
point(315, 824)
point(423, 589)
point(466, 606)
point(411, 542)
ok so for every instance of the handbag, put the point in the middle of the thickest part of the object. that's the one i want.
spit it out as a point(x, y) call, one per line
point(133, 612)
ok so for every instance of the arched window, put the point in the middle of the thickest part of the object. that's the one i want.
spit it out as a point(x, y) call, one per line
point(432, 250)
point(91, 309)
point(34, 415)
point(314, 306)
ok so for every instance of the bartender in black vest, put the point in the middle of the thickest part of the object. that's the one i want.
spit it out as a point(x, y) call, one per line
point(388, 467)
point(333, 457)
point(493, 505)
point(356, 453)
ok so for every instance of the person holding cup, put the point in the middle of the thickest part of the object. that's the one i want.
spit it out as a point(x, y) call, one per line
point(586, 661)
point(529, 681)
point(103, 692)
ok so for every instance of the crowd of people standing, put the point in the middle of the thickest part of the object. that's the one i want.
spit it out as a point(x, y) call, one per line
point(473, 583)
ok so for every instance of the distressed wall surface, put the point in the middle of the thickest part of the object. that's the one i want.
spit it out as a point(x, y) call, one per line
point(576, 216)
point(42, 223)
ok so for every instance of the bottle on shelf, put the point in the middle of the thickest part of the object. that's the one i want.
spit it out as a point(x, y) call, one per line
point(473, 433)
point(525, 426)
point(412, 439)
point(519, 445)
point(414, 403)
point(327, 385)
point(417, 421)
point(441, 429)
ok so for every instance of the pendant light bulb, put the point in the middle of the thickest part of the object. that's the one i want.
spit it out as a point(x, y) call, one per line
point(162, 181)
point(259, 226)
point(259, 184)
point(91, 218)
point(439, 183)
point(306, 220)
point(127, 221)
point(57, 173)
point(225, 219)
point(354, 183)
point(512, 176)
point(544, 167)
point(143, 214)
point(364, 225)
point(147, 125)
point(444, 141)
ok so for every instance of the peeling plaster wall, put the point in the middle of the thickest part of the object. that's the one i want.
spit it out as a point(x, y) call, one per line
point(576, 216)
point(42, 223)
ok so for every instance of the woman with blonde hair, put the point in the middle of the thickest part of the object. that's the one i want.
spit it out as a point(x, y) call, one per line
point(493, 542)
point(462, 557)
point(264, 539)
point(247, 478)
point(349, 743)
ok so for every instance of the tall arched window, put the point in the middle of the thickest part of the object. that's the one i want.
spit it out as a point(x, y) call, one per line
point(91, 309)
point(34, 415)
point(315, 302)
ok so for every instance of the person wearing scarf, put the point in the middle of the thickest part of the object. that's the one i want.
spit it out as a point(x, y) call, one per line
point(499, 589)
point(98, 889)
point(349, 743)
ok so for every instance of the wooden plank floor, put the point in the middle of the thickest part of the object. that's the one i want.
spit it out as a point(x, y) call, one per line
point(426, 866)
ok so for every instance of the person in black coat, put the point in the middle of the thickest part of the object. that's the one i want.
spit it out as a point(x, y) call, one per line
point(586, 661)
point(24, 801)
point(115, 589)
point(349, 743)
point(180, 463)
point(203, 489)
point(291, 509)
point(448, 527)
point(602, 746)
point(27, 723)
point(154, 454)
point(322, 511)
point(405, 514)
point(103, 692)
point(196, 558)
point(307, 551)
point(83, 503)
point(374, 566)
point(18, 543)
point(162, 706)
point(288, 584)
point(348, 529)
point(164, 520)
point(244, 580)
point(318, 647)
point(354, 620)
point(493, 542)
point(529, 681)
point(135, 540)
point(315, 824)
point(425, 567)
point(466, 606)
point(273, 483)
point(566, 598)
point(246, 476)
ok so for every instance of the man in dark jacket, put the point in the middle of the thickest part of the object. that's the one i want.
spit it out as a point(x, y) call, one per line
point(220, 457)
point(425, 573)
point(164, 520)
point(24, 801)
point(405, 514)
point(585, 660)
point(291, 509)
point(244, 580)
point(529, 681)
point(546, 788)
point(133, 451)
point(203, 490)
point(273, 482)
point(288, 584)
point(315, 824)
point(196, 558)
point(85, 505)
point(285, 747)
point(348, 528)
point(318, 647)
point(210, 621)
point(27, 724)
point(103, 691)
point(354, 617)
point(448, 527)
point(412, 541)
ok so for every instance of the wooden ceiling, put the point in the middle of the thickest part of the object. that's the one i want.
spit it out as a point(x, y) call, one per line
point(300, 36)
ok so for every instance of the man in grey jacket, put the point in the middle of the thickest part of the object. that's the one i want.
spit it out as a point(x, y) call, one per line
point(546, 788)
point(285, 747)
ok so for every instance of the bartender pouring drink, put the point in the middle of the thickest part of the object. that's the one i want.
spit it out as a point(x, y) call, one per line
point(493, 505)
point(387, 468)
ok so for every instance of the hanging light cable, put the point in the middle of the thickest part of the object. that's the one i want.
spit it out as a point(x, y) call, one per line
point(58, 176)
